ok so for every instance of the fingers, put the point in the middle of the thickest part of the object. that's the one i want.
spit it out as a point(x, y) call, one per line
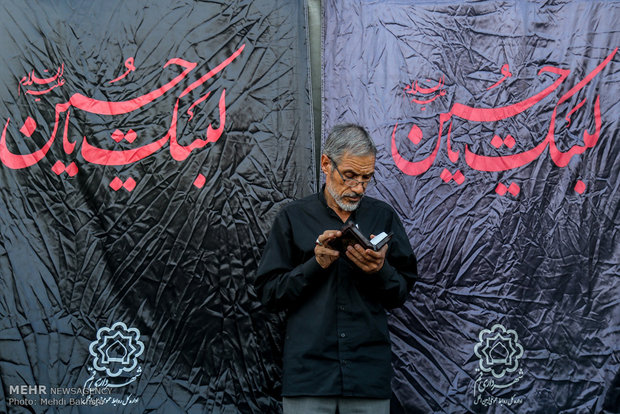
point(358, 256)
point(327, 236)
point(326, 251)
point(359, 261)
point(368, 260)
point(368, 254)
point(325, 257)
point(323, 253)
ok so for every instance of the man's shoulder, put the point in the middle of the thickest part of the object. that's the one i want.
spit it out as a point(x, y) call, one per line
point(309, 202)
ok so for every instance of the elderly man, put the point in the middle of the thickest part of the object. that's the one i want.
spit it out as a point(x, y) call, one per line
point(337, 352)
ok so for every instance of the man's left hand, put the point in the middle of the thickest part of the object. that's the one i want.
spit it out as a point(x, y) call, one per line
point(369, 261)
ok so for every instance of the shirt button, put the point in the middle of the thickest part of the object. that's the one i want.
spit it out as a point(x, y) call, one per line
point(341, 308)
point(342, 335)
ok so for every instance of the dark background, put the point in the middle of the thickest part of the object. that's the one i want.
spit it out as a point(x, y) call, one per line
point(177, 262)
point(174, 261)
point(544, 263)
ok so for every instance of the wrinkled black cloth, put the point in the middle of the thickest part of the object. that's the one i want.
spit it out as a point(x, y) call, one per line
point(337, 340)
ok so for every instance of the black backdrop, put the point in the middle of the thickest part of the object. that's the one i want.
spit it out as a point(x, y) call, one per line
point(131, 229)
point(519, 255)
point(146, 149)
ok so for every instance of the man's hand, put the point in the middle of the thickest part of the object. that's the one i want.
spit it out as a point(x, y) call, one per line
point(323, 253)
point(366, 259)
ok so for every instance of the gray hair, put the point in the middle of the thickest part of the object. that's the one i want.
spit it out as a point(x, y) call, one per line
point(348, 138)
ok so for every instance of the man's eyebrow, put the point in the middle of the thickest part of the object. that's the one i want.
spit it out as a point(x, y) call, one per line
point(349, 171)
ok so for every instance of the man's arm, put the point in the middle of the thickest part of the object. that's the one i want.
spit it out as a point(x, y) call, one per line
point(284, 274)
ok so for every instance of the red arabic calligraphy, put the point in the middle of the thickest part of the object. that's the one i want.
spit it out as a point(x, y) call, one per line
point(506, 72)
point(32, 79)
point(436, 91)
point(506, 162)
point(96, 155)
point(130, 68)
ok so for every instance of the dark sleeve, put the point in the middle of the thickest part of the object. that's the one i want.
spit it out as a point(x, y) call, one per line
point(284, 275)
point(399, 272)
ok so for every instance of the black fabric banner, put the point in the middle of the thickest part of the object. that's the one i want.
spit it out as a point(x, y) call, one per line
point(145, 149)
point(497, 126)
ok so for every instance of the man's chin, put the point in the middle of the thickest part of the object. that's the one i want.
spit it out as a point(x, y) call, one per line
point(341, 200)
point(348, 206)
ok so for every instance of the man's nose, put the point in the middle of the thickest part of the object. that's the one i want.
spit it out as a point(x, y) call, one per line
point(359, 184)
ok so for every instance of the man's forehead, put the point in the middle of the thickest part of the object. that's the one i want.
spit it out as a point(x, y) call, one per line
point(359, 163)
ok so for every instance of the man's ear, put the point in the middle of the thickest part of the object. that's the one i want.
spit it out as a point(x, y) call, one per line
point(325, 164)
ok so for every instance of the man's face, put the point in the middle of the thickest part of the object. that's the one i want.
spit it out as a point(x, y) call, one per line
point(346, 181)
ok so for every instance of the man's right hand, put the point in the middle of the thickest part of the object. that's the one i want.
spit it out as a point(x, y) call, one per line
point(323, 253)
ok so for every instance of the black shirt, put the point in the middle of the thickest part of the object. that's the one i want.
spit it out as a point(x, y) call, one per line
point(337, 341)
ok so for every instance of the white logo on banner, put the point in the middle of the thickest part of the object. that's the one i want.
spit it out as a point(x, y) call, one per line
point(498, 351)
point(115, 355)
point(116, 349)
